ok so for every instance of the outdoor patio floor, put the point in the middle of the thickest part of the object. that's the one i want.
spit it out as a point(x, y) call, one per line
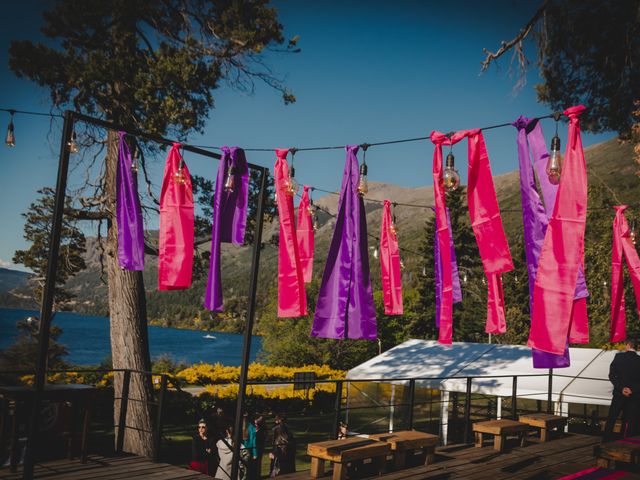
point(102, 468)
point(561, 456)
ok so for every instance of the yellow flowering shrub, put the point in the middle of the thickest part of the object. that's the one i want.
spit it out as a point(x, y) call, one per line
point(205, 374)
point(287, 392)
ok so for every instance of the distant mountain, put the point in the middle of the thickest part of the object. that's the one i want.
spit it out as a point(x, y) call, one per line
point(609, 164)
point(10, 279)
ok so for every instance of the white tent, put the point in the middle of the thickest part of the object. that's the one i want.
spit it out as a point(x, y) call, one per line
point(432, 365)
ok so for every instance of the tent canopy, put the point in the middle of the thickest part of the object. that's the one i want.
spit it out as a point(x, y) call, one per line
point(433, 365)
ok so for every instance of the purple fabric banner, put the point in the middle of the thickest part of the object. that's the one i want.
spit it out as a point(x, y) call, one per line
point(455, 278)
point(128, 212)
point(535, 217)
point(229, 218)
point(345, 307)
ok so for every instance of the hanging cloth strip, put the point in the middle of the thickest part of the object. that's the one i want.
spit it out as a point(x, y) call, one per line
point(487, 227)
point(443, 234)
point(556, 316)
point(622, 244)
point(345, 307)
point(390, 264)
point(534, 218)
point(292, 297)
point(455, 278)
point(175, 250)
point(229, 218)
point(128, 212)
point(305, 235)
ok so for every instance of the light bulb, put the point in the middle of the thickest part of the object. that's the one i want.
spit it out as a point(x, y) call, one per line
point(310, 208)
point(316, 223)
point(178, 177)
point(464, 278)
point(134, 162)
point(363, 185)
point(275, 198)
point(401, 265)
point(230, 182)
point(554, 163)
point(632, 233)
point(393, 229)
point(424, 271)
point(450, 177)
point(516, 278)
point(73, 146)
point(375, 252)
point(292, 185)
point(10, 139)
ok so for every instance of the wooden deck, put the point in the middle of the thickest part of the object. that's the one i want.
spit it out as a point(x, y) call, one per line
point(535, 461)
point(102, 468)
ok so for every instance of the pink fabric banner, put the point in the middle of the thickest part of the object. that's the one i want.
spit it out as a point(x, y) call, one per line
point(487, 227)
point(292, 297)
point(556, 315)
point(390, 264)
point(305, 235)
point(622, 245)
point(445, 332)
point(175, 243)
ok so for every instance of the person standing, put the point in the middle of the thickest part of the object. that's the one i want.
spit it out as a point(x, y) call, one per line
point(624, 374)
point(225, 452)
point(201, 447)
point(283, 455)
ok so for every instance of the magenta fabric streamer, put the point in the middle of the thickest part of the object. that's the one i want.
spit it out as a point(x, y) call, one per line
point(128, 212)
point(345, 307)
point(535, 218)
point(455, 278)
point(229, 218)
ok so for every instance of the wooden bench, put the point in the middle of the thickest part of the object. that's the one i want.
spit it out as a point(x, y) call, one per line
point(545, 422)
point(407, 442)
point(626, 450)
point(500, 429)
point(343, 452)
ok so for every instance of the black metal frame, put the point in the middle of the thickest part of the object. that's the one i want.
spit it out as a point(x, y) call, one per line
point(46, 308)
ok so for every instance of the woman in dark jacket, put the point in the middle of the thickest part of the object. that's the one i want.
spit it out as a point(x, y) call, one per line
point(283, 455)
point(201, 449)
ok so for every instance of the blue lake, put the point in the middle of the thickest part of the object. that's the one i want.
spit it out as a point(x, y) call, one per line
point(87, 340)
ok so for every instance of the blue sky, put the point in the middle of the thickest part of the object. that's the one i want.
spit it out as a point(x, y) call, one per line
point(369, 71)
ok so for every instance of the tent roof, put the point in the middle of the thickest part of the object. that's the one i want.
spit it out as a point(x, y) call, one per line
point(428, 359)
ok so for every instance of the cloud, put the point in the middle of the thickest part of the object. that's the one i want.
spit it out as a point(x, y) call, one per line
point(6, 264)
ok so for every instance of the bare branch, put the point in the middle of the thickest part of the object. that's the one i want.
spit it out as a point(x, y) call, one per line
point(86, 214)
point(515, 42)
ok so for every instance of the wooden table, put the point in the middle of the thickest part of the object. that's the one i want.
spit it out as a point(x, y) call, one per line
point(500, 429)
point(626, 450)
point(545, 422)
point(342, 452)
point(16, 401)
point(408, 441)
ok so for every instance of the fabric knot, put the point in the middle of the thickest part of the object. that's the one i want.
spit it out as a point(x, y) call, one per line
point(352, 148)
point(281, 153)
point(576, 111)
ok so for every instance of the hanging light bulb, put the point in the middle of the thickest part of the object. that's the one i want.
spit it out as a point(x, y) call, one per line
point(424, 271)
point(316, 223)
point(450, 177)
point(401, 264)
point(136, 158)
point(484, 281)
point(292, 184)
point(363, 184)
point(375, 252)
point(310, 208)
point(633, 233)
point(554, 162)
point(10, 139)
point(275, 198)
point(178, 177)
point(393, 228)
point(73, 146)
point(464, 278)
point(230, 181)
point(516, 278)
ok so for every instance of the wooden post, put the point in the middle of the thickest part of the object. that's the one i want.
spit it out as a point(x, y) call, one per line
point(124, 403)
point(157, 434)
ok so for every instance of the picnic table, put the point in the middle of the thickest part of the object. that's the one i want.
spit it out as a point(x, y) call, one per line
point(626, 450)
point(342, 452)
point(407, 442)
point(545, 422)
point(500, 429)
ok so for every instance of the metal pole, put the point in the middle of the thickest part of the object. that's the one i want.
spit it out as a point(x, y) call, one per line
point(467, 411)
point(248, 328)
point(337, 412)
point(124, 404)
point(549, 393)
point(514, 398)
point(46, 307)
point(412, 396)
point(157, 434)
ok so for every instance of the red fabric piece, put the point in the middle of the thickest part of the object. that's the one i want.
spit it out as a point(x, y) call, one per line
point(292, 297)
point(202, 467)
point(306, 235)
point(556, 316)
point(390, 264)
point(175, 247)
point(622, 245)
point(486, 222)
point(445, 332)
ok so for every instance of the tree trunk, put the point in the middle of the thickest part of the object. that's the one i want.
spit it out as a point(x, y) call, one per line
point(128, 327)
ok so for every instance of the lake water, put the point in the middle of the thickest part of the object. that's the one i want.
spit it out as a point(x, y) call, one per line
point(87, 340)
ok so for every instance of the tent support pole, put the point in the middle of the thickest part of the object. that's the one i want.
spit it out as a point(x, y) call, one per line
point(549, 392)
